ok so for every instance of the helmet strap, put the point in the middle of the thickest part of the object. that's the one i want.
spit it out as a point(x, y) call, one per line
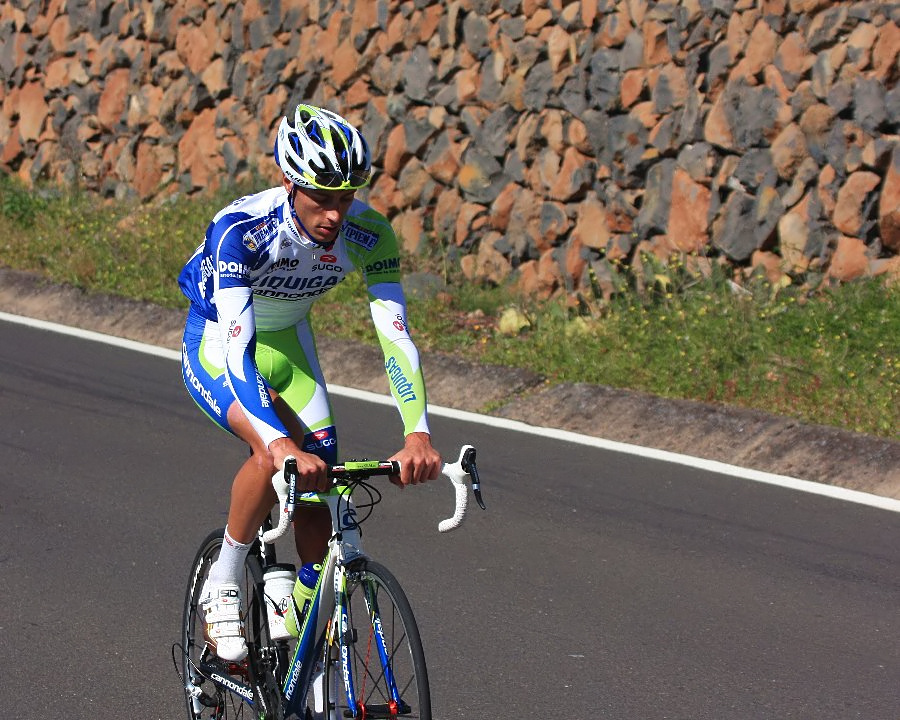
point(291, 195)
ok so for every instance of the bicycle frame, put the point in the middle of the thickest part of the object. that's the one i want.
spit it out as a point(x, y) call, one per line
point(327, 618)
point(325, 631)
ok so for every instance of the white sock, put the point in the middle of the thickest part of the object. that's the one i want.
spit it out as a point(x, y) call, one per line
point(229, 565)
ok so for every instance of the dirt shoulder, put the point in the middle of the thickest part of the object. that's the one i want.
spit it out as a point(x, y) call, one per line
point(737, 436)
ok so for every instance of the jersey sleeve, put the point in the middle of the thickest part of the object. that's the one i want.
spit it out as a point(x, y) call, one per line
point(401, 358)
point(375, 250)
point(233, 299)
point(373, 247)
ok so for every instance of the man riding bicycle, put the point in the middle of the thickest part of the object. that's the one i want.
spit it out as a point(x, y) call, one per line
point(249, 358)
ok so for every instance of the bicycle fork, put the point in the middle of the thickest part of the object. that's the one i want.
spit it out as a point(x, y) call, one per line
point(343, 635)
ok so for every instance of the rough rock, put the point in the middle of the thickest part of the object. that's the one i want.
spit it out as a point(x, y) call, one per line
point(568, 101)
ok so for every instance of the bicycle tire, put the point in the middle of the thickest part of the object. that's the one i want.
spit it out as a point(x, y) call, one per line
point(406, 655)
point(258, 673)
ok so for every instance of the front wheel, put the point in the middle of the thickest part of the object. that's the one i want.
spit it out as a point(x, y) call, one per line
point(379, 648)
point(219, 690)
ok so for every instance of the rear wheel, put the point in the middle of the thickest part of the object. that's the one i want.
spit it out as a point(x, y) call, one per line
point(223, 690)
point(383, 651)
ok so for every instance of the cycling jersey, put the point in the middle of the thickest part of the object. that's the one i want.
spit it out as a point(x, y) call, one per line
point(256, 274)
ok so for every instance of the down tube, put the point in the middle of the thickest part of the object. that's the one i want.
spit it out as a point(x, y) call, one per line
point(299, 674)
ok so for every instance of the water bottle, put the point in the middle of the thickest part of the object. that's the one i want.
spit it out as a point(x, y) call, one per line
point(279, 584)
point(304, 589)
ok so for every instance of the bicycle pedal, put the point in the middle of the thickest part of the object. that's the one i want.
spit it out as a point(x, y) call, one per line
point(207, 700)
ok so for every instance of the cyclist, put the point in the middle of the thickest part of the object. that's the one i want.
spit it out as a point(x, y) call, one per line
point(249, 358)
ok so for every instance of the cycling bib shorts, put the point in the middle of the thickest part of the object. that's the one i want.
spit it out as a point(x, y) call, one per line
point(287, 361)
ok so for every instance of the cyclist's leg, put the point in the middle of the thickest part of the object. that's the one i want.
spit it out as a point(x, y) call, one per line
point(252, 494)
point(289, 362)
point(221, 599)
point(209, 696)
point(225, 599)
point(203, 368)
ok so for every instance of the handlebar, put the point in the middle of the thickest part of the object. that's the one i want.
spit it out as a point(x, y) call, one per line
point(285, 484)
point(458, 472)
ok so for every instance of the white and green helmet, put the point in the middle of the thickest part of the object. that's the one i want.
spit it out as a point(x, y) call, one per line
point(320, 150)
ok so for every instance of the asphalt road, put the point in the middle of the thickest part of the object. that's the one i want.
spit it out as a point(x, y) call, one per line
point(596, 585)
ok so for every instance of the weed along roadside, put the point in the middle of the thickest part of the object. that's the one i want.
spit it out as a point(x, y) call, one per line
point(726, 433)
point(685, 329)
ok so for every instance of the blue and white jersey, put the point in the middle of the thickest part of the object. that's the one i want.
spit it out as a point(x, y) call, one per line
point(254, 243)
point(256, 271)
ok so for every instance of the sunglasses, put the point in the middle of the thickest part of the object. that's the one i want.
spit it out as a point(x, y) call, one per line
point(335, 180)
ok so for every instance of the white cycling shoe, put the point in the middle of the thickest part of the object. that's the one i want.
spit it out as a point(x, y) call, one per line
point(223, 623)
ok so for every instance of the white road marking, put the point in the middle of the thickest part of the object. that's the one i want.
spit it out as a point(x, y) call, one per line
point(785, 481)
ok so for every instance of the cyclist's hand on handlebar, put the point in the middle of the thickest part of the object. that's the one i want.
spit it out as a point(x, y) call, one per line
point(419, 461)
point(312, 472)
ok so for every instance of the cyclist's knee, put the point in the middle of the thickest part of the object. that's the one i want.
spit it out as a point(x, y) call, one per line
point(263, 462)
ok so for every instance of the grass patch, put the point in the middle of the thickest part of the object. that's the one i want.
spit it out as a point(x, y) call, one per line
point(122, 248)
point(829, 356)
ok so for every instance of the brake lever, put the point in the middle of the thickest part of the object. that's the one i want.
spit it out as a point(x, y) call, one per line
point(290, 477)
point(468, 465)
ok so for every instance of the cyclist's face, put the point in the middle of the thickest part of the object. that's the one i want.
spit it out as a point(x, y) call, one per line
point(321, 211)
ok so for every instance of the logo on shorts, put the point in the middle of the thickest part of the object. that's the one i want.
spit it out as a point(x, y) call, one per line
point(320, 439)
point(193, 381)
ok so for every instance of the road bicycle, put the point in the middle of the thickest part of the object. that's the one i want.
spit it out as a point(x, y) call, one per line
point(359, 653)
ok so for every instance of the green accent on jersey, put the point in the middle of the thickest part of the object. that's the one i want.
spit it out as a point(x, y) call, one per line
point(407, 386)
point(381, 262)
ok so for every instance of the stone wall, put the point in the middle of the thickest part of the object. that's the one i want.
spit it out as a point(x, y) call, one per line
point(539, 138)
